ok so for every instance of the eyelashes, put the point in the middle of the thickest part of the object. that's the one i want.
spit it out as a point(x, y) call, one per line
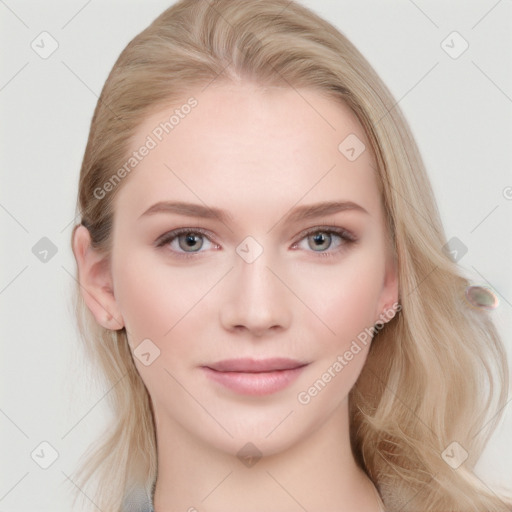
point(323, 241)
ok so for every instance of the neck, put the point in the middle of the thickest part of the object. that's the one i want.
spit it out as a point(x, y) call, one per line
point(317, 474)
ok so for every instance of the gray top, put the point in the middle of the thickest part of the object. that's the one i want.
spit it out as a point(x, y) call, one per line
point(138, 500)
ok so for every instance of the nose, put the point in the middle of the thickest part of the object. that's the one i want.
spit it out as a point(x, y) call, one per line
point(256, 301)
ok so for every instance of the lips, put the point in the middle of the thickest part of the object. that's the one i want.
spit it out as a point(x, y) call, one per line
point(255, 365)
point(254, 376)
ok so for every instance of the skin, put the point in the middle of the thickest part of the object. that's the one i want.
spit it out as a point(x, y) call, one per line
point(257, 154)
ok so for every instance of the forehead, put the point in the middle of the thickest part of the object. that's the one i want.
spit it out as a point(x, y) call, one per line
point(245, 145)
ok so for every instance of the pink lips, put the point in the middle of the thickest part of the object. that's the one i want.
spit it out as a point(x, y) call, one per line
point(255, 377)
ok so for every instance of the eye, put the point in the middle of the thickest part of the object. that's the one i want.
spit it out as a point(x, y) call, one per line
point(186, 240)
point(190, 242)
point(323, 240)
point(320, 241)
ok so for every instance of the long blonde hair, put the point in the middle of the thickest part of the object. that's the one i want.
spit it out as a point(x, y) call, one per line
point(436, 373)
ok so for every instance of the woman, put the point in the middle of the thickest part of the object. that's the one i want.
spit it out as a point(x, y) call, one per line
point(263, 281)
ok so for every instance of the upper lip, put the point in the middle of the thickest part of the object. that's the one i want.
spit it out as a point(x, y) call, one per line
point(248, 365)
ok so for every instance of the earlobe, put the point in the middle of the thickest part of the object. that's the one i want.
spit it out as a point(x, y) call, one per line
point(389, 303)
point(95, 281)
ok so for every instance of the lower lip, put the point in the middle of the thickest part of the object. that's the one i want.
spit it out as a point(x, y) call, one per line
point(264, 383)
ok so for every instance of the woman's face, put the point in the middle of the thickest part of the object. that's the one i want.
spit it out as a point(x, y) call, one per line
point(248, 325)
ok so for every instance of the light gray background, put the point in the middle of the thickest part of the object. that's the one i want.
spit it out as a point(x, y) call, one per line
point(460, 111)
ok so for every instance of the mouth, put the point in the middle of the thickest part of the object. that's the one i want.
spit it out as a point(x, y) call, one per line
point(247, 365)
point(253, 376)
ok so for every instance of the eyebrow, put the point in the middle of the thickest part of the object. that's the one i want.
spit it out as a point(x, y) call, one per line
point(297, 214)
point(188, 209)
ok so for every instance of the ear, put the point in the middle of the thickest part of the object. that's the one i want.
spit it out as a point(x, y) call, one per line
point(95, 281)
point(389, 298)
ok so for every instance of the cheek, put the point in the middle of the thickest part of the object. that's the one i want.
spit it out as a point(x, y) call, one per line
point(161, 303)
point(154, 298)
point(343, 299)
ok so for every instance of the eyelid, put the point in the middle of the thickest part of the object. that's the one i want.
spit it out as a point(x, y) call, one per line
point(173, 233)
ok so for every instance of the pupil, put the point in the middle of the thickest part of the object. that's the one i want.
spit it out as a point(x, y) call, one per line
point(321, 241)
point(191, 240)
